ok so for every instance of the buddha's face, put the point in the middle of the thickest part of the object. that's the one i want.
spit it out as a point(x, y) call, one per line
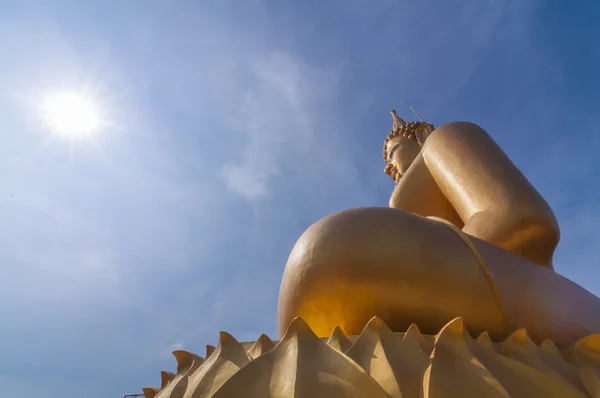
point(401, 153)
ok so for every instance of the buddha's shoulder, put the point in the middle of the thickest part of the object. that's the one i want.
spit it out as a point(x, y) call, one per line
point(455, 132)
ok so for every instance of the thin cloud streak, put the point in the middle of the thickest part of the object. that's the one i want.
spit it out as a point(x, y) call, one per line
point(276, 119)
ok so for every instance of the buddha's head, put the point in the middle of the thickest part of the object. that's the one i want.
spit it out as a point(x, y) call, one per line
point(403, 145)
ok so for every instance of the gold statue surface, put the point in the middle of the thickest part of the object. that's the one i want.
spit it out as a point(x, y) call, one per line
point(386, 302)
point(465, 235)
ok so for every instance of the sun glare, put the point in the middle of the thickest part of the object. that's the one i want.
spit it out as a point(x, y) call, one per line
point(71, 114)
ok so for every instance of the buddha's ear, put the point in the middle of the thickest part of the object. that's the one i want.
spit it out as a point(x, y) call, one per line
point(423, 132)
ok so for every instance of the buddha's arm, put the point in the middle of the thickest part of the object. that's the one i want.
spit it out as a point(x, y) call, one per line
point(491, 196)
point(418, 193)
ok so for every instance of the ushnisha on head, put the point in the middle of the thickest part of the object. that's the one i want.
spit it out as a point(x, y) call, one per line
point(403, 145)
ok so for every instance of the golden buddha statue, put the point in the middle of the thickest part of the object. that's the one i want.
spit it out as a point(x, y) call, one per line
point(465, 235)
point(386, 302)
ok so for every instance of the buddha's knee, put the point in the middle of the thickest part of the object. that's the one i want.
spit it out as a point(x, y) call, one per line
point(346, 267)
point(353, 242)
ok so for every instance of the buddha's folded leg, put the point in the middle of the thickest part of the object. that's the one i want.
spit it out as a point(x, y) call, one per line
point(360, 263)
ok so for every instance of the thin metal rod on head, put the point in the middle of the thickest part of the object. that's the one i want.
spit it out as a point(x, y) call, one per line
point(415, 112)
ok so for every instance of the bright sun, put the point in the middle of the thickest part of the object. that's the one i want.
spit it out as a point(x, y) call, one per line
point(71, 114)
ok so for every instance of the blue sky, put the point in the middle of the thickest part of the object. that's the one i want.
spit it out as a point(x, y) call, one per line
point(230, 128)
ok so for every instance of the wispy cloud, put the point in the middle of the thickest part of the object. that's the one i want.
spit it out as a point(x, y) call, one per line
point(276, 119)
